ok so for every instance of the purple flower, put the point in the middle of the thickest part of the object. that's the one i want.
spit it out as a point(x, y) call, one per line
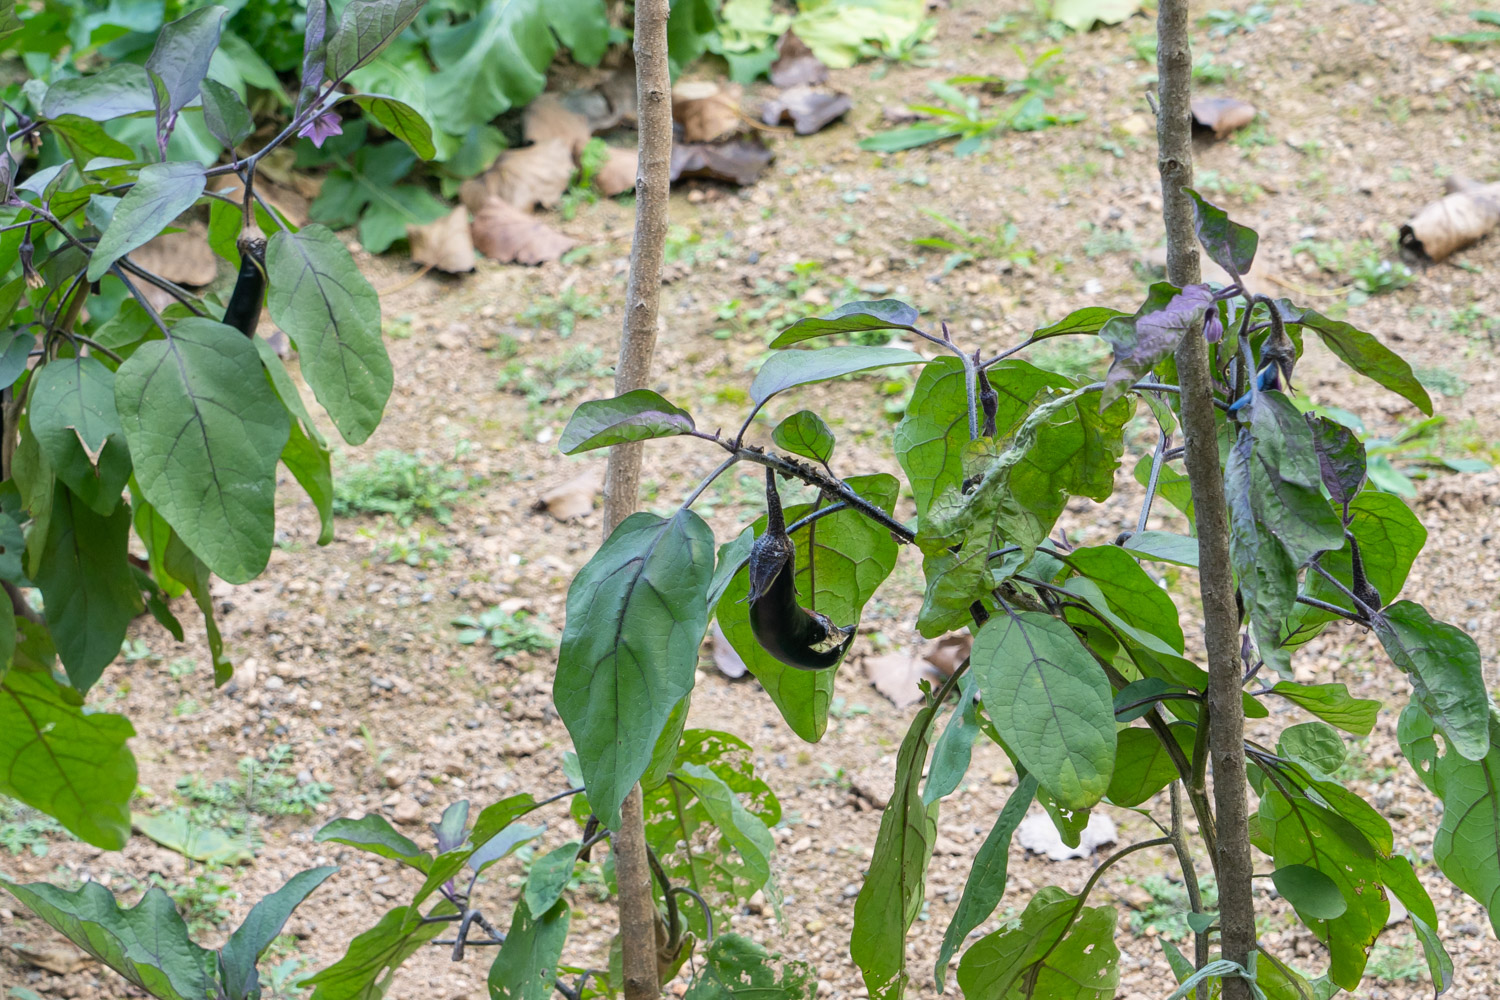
point(1213, 330)
point(322, 128)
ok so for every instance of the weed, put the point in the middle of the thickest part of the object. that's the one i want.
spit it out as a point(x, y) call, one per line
point(414, 548)
point(283, 981)
point(684, 246)
point(1473, 321)
point(23, 828)
point(1488, 85)
point(1475, 37)
point(203, 902)
point(1220, 22)
point(1359, 263)
point(508, 633)
point(1397, 962)
point(966, 246)
point(262, 789)
point(1206, 71)
point(913, 50)
point(185, 707)
point(402, 485)
point(1167, 912)
point(561, 312)
point(551, 380)
point(136, 650)
point(1442, 381)
point(1106, 241)
point(182, 667)
point(582, 191)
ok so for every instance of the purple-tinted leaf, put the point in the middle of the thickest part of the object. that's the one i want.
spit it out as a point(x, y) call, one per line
point(856, 317)
point(1362, 352)
point(1227, 243)
point(162, 193)
point(639, 415)
point(366, 27)
point(314, 52)
point(225, 115)
point(452, 828)
point(1341, 458)
point(179, 62)
point(119, 90)
point(1143, 340)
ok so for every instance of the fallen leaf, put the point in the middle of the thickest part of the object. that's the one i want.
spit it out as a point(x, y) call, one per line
point(505, 233)
point(532, 175)
point(1038, 835)
point(618, 173)
point(795, 63)
point(574, 498)
point(445, 244)
point(1464, 216)
point(950, 651)
point(1080, 15)
point(725, 658)
point(175, 830)
point(284, 200)
point(619, 93)
point(549, 117)
point(896, 675)
point(58, 958)
point(1222, 115)
point(184, 257)
point(740, 161)
point(706, 111)
point(809, 109)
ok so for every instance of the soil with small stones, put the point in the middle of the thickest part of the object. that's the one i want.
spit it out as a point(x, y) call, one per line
point(352, 661)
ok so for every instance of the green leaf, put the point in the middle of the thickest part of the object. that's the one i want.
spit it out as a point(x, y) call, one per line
point(1163, 546)
point(147, 944)
point(116, 91)
point(1050, 702)
point(732, 558)
point(179, 61)
point(374, 833)
point(1089, 319)
point(73, 417)
point(986, 882)
point(205, 440)
point(264, 922)
point(363, 973)
point(162, 192)
point(1315, 745)
point(88, 593)
point(891, 895)
point(855, 317)
point(526, 966)
point(1227, 243)
point(549, 876)
point(332, 314)
point(1081, 966)
point(852, 558)
point(1142, 765)
point(1267, 576)
point(787, 369)
point(366, 27)
point(489, 64)
point(1130, 591)
point(804, 433)
point(1310, 891)
point(176, 830)
point(1401, 881)
point(743, 830)
point(908, 137)
point(225, 115)
point(737, 967)
point(1332, 703)
point(1446, 674)
point(400, 120)
point(499, 815)
point(664, 754)
point(955, 747)
point(636, 614)
point(583, 26)
point(638, 415)
point(71, 764)
point(311, 464)
point(181, 564)
point(1362, 352)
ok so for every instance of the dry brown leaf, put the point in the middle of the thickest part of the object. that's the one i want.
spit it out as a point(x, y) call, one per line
point(706, 111)
point(574, 498)
point(475, 192)
point(725, 658)
point(1464, 216)
point(740, 161)
point(184, 257)
point(809, 109)
point(549, 117)
point(895, 675)
point(1222, 115)
point(59, 958)
point(795, 63)
point(532, 175)
point(618, 173)
point(950, 651)
point(445, 244)
point(505, 233)
point(620, 95)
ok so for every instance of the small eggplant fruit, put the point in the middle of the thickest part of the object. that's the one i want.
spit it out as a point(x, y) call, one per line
point(795, 636)
point(243, 311)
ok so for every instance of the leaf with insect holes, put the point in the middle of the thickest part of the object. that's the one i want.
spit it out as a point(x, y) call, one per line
point(638, 415)
point(1036, 958)
point(787, 369)
point(855, 317)
point(1227, 243)
point(162, 192)
point(804, 433)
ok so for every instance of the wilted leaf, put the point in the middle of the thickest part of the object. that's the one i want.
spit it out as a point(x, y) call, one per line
point(618, 173)
point(549, 118)
point(445, 244)
point(795, 63)
point(706, 111)
point(809, 109)
point(1464, 216)
point(505, 233)
point(1222, 115)
point(1142, 341)
point(739, 161)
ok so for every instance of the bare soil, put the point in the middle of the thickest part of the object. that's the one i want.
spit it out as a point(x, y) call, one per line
point(353, 662)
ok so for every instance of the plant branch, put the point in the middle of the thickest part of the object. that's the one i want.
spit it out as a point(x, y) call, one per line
point(1178, 836)
point(173, 289)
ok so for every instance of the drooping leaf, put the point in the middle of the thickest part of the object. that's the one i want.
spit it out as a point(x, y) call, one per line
point(1402, 882)
point(955, 747)
point(1362, 352)
point(1266, 574)
point(182, 565)
point(366, 27)
point(162, 192)
point(400, 120)
point(1050, 702)
point(638, 415)
point(205, 432)
point(891, 896)
point(264, 922)
point(147, 944)
point(88, 593)
point(743, 830)
point(1083, 966)
point(855, 317)
point(787, 369)
point(804, 433)
point(1227, 243)
point(225, 115)
point(1310, 891)
point(332, 314)
point(1332, 703)
point(73, 417)
point(1446, 673)
point(549, 876)
point(374, 954)
point(1341, 458)
point(72, 765)
point(986, 882)
point(636, 615)
point(375, 834)
point(1143, 341)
